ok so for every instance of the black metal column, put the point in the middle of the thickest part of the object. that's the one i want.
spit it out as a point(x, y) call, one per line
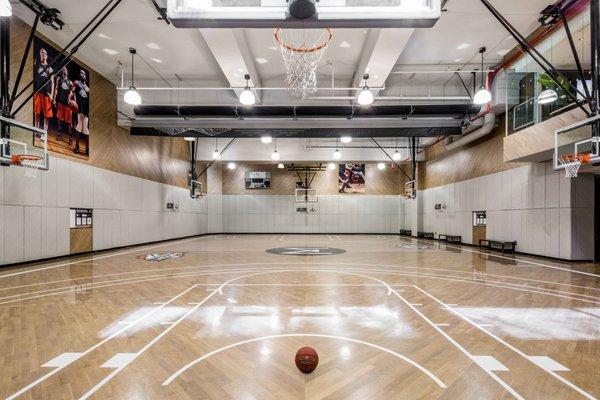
point(4, 72)
point(595, 67)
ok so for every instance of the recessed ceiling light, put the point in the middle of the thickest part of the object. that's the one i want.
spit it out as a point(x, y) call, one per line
point(458, 59)
point(463, 46)
point(110, 51)
point(240, 70)
point(156, 60)
point(345, 45)
point(103, 36)
point(153, 46)
point(261, 60)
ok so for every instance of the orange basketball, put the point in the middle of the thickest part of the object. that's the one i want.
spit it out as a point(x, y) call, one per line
point(307, 359)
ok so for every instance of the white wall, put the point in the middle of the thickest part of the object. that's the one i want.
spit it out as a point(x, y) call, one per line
point(335, 214)
point(34, 212)
point(545, 212)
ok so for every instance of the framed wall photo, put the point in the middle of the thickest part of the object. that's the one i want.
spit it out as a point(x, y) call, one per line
point(61, 105)
point(352, 179)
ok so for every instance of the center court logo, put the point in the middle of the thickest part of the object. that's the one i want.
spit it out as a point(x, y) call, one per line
point(161, 256)
point(306, 251)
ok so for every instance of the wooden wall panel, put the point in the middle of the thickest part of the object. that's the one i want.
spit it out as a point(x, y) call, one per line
point(386, 182)
point(81, 240)
point(536, 143)
point(111, 147)
point(482, 157)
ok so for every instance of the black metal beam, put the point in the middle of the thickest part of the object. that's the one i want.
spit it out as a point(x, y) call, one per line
point(552, 72)
point(24, 60)
point(391, 158)
point(213, 161)
point(588, 96)
point(4, 73)
point(48, 16)
point(162, 11)
point(67, 59)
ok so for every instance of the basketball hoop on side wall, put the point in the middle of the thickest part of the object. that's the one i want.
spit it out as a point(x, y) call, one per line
point(302, 50)
point(26, 160)
point(572, 162)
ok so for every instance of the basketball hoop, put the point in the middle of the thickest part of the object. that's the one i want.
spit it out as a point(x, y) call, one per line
point(572, 162)
point(25, 160)
point(302, 50)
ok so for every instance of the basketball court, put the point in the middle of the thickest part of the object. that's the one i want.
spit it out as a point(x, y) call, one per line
point(300, 199)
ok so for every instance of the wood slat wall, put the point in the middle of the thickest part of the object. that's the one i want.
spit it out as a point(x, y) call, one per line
point(111, 147)
point(386, 182)
point(482, 157)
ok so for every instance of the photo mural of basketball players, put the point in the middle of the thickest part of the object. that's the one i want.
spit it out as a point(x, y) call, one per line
point(82, 94)
point(352, 178)
point(42, 100)
point(62, 107)
point(65, 103)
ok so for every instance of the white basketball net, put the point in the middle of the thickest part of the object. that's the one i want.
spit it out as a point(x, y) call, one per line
point(302, 50)
point(571, 164)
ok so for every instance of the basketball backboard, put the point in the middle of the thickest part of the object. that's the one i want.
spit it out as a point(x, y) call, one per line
point(307, 196)
point(25, 146)
point(576, 143)
point(330, 14)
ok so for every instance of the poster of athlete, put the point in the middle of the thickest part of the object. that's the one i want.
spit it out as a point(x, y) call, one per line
point(352, 178)
point(61, 104)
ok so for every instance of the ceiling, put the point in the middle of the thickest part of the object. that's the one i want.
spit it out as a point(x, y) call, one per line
point(184, 52)
point(406, 66)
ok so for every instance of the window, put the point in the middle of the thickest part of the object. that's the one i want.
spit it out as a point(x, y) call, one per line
point(479, 218)
point(81, 218)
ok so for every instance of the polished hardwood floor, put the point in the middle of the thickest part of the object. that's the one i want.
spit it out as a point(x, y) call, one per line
point(391, 318)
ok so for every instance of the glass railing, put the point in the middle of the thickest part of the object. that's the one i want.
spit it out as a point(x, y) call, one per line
point(523, 108)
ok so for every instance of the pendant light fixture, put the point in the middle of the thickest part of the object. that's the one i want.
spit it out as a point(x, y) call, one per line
point(5, 8)
point(275, 156)
point(365, 97)
point(132, 96)
point(549, 95)
point(483, 96)
point(216, 154)
point(337, 154)
point(247, 97)
point(331, 166)
point(397, 156)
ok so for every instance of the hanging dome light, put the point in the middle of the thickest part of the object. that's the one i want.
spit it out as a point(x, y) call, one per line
point(365, 97)
point(266, 139)
point(280, 166)
point(132, 96)
point(381, 166)
point(547, 96)
point(275, 156)
point(397, 156)
point(231, 165)
point(5, 8)
point(247, 97)
point(331, 166)
point(337, 154)
point(216, 154)
point(483, 96)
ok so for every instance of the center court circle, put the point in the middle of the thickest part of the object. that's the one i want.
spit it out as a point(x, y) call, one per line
point(306, 251)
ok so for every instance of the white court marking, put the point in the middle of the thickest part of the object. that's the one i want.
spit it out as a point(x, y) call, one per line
point(489, 363)
point(503, 285)
point(509, 346)
point(93, 258)
point(529, 263)
point(212, 353)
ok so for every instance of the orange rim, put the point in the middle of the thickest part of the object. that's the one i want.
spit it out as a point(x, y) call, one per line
point(19, 158)
point(569, 158)
point(303, 49)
